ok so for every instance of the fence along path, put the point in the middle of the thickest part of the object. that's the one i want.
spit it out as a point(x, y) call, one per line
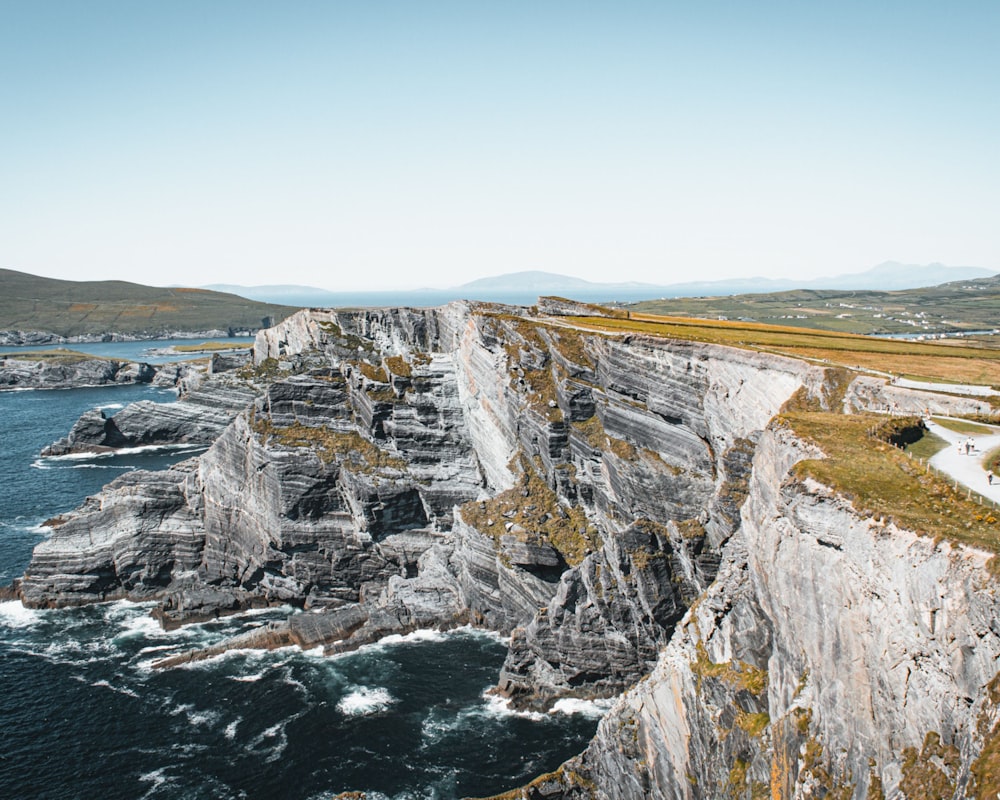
point(966, 469)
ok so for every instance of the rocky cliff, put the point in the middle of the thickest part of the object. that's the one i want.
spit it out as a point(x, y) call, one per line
point(57, 370)
point(206, 404)
point(626, 508)
point(835, 655)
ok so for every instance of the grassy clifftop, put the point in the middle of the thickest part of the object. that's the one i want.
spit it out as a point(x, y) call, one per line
point(71, 308)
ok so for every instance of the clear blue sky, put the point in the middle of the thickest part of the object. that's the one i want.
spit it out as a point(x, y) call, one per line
point(375, 144)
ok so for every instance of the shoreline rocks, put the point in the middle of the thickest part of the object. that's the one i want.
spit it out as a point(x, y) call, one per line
point(69, 372)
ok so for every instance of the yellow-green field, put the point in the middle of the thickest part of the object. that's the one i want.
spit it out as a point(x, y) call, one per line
point(930, 361)
point(209, 347)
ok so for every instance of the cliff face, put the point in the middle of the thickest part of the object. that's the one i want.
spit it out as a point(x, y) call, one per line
point(619, 505)
point(834, 654)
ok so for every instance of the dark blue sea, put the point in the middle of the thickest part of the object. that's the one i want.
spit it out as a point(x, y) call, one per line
point(82, 714)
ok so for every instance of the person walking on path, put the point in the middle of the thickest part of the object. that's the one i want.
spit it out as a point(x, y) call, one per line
point(967, 471)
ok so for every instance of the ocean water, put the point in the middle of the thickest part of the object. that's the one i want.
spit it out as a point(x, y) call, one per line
point(84, 715)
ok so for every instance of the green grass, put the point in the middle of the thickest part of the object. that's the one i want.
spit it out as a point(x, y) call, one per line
point(961, 426)
point(59, 356)
point(372, 372)
point(882, 481)
point(928, 446)
point(398, 365)
point(535, 507)
point(736, 674)
point(349, 448)
point(208, 347)
point(921, 360)
point(991, 461)
point(70, 308)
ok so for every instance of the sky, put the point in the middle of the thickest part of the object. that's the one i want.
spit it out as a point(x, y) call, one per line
point(392, 145)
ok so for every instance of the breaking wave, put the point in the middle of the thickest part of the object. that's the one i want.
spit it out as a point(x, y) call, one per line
point(365, 700)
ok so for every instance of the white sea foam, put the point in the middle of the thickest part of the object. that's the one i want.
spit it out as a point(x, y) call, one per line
point(274, 740)
point(365, 700)
point(157, 778)
point(46, 462)
point(120, 689)
point(593, 709)
point(486, 634)
point(182, 708)
point(422, 635)
point(230, 732)
point(251, 678)
point(41, 529)
point(206, 718)
point(110, 406)
point(228, 655)
point(158, 649)
point(496, 706)
point(142, 625)
point(14, 615)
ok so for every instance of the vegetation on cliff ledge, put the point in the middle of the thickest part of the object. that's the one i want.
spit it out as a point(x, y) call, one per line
point(531, 512)
point(882, 481)
point(350, 448)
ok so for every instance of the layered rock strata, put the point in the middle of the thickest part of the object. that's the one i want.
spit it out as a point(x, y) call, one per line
point(834, 655)
point(69, 372)
point(621, 506)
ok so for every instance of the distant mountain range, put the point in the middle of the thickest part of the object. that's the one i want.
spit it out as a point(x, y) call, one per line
point(523, 288)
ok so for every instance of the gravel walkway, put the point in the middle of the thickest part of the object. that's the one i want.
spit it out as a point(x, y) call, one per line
point(966, 469)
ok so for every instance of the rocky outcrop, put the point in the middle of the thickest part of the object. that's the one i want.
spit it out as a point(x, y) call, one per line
point(70, 371)
point(198, 417)
point(623, 507)
point(29, 338)
point(834, 655)
point(867, 393)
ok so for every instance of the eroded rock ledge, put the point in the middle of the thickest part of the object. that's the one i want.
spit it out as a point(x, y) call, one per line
point(69, 372)
point(621, 506)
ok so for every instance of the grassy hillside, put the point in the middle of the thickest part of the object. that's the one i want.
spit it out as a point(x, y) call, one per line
point(959, 306)
point(70, 308)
